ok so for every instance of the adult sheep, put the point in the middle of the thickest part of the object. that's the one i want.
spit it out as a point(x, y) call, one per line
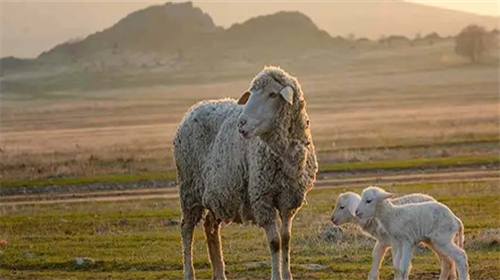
point(246, 163)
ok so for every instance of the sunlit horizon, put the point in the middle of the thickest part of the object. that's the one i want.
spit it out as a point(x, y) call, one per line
point(32, 27)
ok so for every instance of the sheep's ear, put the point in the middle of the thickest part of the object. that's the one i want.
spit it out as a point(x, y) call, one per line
point(352, 209)
point(244, 98)
point(287, 93)
point(387, 195)
point(353, 205)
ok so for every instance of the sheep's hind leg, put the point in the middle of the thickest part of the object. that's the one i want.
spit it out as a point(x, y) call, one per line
point(212, 237)
point(458, 255)
point(447, 267)
point(286, 237)
point(190, 217)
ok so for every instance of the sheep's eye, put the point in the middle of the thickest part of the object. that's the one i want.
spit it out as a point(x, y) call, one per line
point(342, 207)
point(273, 95)
point(368, 201)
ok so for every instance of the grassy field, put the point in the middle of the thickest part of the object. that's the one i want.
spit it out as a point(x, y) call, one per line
point(137, 240)
point(381, 111)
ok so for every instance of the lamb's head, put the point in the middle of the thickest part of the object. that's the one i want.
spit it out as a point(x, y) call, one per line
point(345, 208)
point(271, 92)
point(370, 198)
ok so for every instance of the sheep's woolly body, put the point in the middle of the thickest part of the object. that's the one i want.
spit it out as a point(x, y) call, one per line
point(215, 164)
point(373, 227)
point(408, 224)
point(240, 180)
point(417, 222)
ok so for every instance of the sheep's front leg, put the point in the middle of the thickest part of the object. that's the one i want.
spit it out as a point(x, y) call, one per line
point(377, 256)
point(273, 238)
point(406, 256)
point(396, 257)
point(286, 237)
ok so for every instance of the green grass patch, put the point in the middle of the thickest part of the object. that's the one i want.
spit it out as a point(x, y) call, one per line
point(410, 163)
point(116, 178)
point(332, 167)
point(130, 239)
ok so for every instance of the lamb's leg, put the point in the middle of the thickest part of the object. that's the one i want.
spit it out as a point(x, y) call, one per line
point(286, 236)
point(212, 237)
point(377, 256)
point(190, 217)
point(457, 254)
point(273, 239)
point(447, 268)
point(406, 256)
point(396, 258)
point(450, 266)
point(453, 270)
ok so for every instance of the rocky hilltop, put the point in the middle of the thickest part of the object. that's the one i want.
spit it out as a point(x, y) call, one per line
point(159, 34)
point(163, 29)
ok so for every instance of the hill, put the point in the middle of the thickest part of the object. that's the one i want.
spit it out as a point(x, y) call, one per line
point(156, 29)
point(364, 19)
point(159, 35)
point(169, 40)
point(369, 19)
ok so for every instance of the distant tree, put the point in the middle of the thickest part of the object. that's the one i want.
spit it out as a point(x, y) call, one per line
point(472, 42)
point(396, 38)
point(432, 38)
point(363, 40)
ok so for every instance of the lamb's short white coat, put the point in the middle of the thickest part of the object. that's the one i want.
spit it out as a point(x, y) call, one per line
point(409, 224)
point(344, 212)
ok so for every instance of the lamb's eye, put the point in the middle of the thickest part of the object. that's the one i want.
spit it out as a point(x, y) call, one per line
point(368, 200)
point(273, 94)
point(342, 207)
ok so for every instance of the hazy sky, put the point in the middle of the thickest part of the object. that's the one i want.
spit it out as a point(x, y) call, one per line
point(52, 22)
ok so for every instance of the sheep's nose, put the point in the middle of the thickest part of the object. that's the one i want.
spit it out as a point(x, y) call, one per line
point(240, 130)
point(357, 213)
point(241, 123)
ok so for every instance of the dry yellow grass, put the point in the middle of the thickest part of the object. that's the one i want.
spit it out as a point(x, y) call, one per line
point(385, 98)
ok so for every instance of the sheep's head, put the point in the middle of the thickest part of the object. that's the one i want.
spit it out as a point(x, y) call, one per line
point(345, 208)
point(370, 198)
point(271, 91)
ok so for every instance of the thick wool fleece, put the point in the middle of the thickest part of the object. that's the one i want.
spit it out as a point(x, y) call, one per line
point(245, 180)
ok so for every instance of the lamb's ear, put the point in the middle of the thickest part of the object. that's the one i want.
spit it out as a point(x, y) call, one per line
point(287, 93)
point(387, 195)
point(352, 209)
point(353, 205)
point(244, 98)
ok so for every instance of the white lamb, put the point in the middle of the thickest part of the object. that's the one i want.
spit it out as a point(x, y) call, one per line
point(344, 212)
point(409, 224)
